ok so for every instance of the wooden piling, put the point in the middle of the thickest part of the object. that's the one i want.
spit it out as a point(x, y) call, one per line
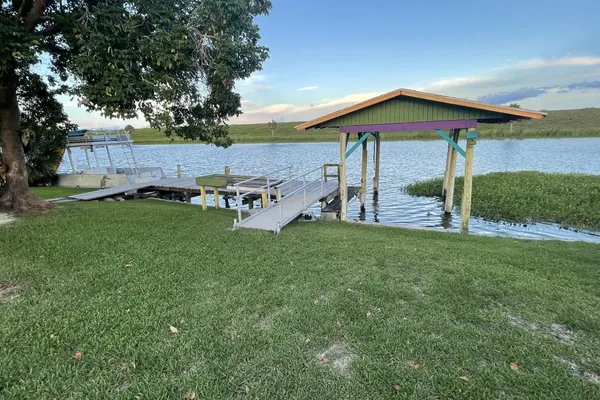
point(363, 176)
point(264, 201)
point(343, 183)
point(465, 212)
point(377, 159)
point(178, 170)
point(227, 170)
point(216, 194)
point(447, 170)
point(203, 197)
point(451, 174)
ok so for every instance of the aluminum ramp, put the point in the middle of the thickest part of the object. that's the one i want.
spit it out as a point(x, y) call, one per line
point(278, 215)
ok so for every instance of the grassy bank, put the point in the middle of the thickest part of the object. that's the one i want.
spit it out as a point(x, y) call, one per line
point(55, 192)
point(405, 314)
point(568, 199)
point(558, 124)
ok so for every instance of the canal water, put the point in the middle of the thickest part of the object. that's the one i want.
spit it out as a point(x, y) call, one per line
point(402, 163)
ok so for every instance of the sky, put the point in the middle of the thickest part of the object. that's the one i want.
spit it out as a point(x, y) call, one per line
point(329, 54)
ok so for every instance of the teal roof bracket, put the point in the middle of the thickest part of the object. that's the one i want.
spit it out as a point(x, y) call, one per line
point(451, 142)
point(364, 137)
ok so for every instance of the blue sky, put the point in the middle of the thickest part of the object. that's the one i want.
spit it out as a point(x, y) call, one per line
point(328, 54)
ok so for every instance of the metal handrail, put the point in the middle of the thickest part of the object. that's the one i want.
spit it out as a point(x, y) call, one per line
point(289, 168)
point(240, 195)
point(303, 190)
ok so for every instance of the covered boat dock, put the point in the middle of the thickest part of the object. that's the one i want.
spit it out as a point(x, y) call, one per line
point(406, 110)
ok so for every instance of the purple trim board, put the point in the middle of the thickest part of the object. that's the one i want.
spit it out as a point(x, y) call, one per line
point(411, 126)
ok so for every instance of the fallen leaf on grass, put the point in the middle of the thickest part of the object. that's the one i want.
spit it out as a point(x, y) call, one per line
point(324, 360)
point(464, 378)
point(316, 302)
point(514, 366)
point(127, 310)
point(190, 395)
point(415, 365)
point(397, 388)
point(77, 356)
point(173, 329)
point(340, 324)
point(369, 314)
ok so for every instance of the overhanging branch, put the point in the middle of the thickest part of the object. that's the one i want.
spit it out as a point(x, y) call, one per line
point(35, 13)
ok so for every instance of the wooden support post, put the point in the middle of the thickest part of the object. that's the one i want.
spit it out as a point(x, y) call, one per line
point(178, 170)
point(377, 159)
point(250, 203)
point(203, 196)
point(277, 193)
point(216, 194)
point(227, 170)
point(465, 211)
point(363, 176)
point(264, 201)
point(188, 197)
point(451, 174)
point(343, 183)
point(447, 170)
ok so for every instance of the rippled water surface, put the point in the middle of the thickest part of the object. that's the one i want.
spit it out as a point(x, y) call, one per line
point(401, 163)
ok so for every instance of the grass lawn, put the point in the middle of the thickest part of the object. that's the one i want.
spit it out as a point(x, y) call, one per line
point(572, 200)
point(324, 310)
point(54, 192)
point(561, 123)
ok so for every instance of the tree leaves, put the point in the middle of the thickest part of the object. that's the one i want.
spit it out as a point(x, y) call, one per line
point(174, 62)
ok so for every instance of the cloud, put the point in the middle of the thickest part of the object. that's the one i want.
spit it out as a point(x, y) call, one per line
point(307, 88)
point(255, 83)
point(530, 73)
point(292, 112)
point(515, 95)
point(530, 92)
point(473, 81)
point(580, 86)
point(557, 62)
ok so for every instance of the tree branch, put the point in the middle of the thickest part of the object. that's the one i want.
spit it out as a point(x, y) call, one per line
point(51, 30)
point(35, 13)
point(16, 4)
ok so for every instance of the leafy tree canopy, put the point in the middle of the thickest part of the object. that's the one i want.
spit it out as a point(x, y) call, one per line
point(172, 62)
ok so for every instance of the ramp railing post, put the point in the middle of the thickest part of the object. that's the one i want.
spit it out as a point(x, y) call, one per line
point(268, 193)
point(304, 185)
point(280, 213)
point(239, 204)
point(324, 173)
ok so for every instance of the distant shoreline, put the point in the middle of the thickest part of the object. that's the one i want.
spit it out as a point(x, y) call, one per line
point(558, 124)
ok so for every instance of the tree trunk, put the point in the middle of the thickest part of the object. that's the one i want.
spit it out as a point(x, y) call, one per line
point(14, 195)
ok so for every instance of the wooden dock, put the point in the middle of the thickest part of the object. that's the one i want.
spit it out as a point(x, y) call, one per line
point(282, 200)
point(179, 185)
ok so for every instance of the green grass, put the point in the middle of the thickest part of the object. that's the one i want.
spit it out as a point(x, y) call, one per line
point(254, 310)
point(561, 123)
point(571, 200)
point(54, 192)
